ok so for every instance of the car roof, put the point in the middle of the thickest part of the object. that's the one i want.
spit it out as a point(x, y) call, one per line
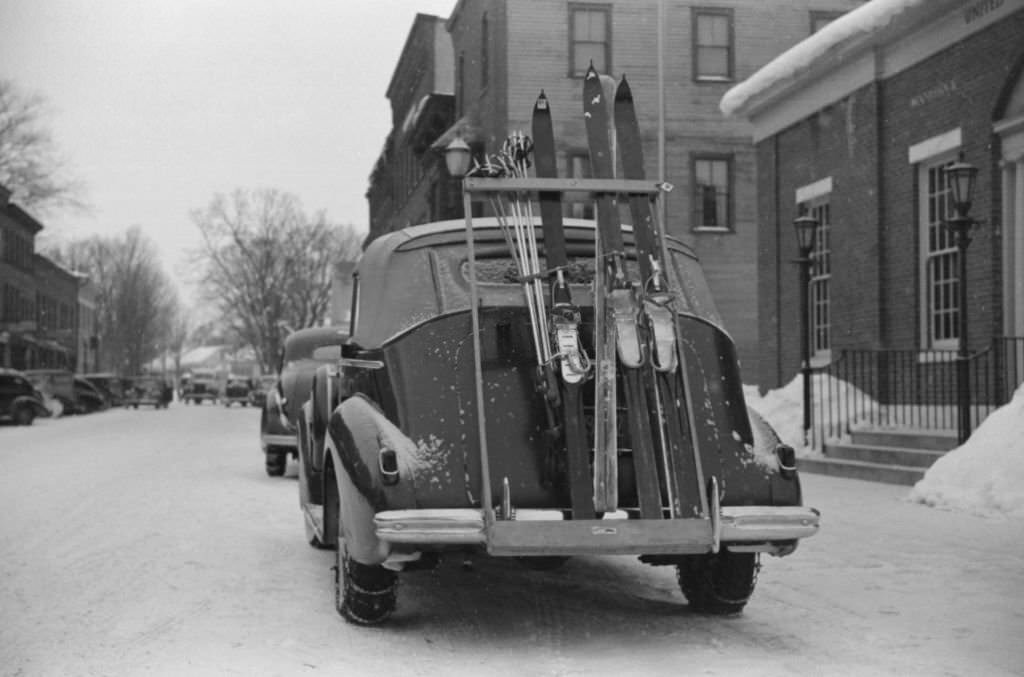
point(410, 276)
point(302, 342)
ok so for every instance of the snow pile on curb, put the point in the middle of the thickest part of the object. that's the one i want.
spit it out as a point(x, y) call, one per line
point(985, 475)
point(783, 407)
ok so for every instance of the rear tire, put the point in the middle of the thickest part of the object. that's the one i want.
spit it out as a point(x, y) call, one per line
point(363, 594)
point(276, 462)
point(24, 415)
point(719, 583)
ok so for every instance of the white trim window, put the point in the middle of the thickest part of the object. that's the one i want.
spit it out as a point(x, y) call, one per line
point(820, 291)
point(939, 265)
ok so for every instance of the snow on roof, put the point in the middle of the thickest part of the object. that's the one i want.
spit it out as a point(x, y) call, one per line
point(857, 23)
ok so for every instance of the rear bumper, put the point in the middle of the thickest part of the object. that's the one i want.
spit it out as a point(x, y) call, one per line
point(544, 532)
point(278, 440)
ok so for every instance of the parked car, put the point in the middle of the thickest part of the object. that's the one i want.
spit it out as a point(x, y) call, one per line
point(304, 351)
point(152, 391)
point(88, 397)
point(57, 384)
point(433, 433)
point(236, 390)
point(261, 387)
point(20, 402)
point(109, 384)
point(200, 385)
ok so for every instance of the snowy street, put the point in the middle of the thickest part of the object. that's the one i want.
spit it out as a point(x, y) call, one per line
point(152, 543)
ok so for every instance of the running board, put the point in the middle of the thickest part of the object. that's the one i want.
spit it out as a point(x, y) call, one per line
point(546, 532)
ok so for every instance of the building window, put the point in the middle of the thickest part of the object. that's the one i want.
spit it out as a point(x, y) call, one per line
point(819, 292)
point(712, 192)
point(712, 45)
point(821, 19)
point(589, 39)
point(939, 258)
point(485, 57)
point(579, 168)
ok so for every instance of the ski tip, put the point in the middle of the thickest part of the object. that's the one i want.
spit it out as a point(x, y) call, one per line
point(541, 104)
point(591, 71)
point(623, 92)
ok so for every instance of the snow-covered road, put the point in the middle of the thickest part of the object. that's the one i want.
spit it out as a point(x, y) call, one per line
point(152, 543)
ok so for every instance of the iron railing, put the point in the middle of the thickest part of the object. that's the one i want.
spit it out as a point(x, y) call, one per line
point(912, 388)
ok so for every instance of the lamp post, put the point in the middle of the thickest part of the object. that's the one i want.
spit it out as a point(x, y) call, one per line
point(806, 228)
point(961, 178)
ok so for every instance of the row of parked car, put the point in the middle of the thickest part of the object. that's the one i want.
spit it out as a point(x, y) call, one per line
point(202, 385)
point(34, 393)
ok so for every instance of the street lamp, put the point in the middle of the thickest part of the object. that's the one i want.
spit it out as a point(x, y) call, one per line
point(806, 227)
point(457, 157)
point(961, 178)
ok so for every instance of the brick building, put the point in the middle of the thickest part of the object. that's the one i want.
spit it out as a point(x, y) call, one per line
point(408, 184)
point(38, 299)
point(855, 126)
point(56, 315)
point(504, 53)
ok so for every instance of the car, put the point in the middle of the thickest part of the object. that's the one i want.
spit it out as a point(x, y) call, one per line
point(20, 401)
point(154, 391)
point(261, 387)
point(304, 351)
point(56, 384)
point(110, 385)
point(236, 390)
point(88, 397)
point(438, 431)
point(200, 385)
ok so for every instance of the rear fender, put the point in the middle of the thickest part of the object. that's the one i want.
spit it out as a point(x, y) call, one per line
point(28, 401)
point(356, 433)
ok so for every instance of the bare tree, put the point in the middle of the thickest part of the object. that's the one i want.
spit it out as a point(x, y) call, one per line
point(136, 303)
point(30, 166)
point(267, 265)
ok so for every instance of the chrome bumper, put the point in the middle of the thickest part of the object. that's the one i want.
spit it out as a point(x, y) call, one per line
point(272, 440)
point(541, 532)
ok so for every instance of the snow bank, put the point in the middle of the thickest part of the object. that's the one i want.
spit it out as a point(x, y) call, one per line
point(783, 407)
point(985, 475)
point(868, 17)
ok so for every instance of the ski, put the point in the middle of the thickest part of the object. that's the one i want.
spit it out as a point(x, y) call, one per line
point(620, 302)
point(668, 393)
point(565, 317)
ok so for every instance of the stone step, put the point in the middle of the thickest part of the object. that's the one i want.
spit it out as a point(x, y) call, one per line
point(874, 453)
point(907, 438)
point(861, 470)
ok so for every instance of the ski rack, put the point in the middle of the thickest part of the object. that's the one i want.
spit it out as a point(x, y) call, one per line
point(509, 537)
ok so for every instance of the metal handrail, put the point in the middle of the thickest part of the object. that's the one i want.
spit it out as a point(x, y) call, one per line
point(912, 388)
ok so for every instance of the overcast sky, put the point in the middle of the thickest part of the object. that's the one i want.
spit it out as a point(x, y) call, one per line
point(157, 105)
